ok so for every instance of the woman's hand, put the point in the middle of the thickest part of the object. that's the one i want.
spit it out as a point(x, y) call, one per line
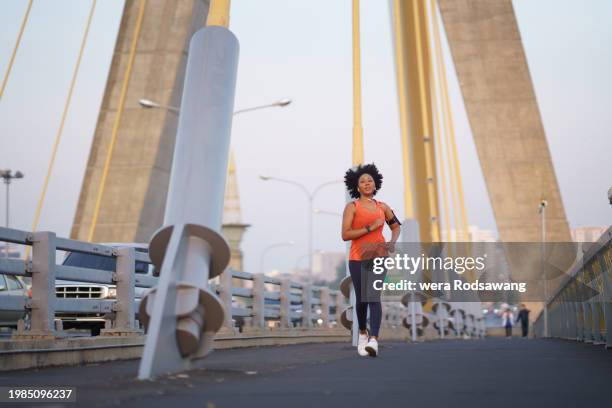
point(390, 246)
point(376, 224)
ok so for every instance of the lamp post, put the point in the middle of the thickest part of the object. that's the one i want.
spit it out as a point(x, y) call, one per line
point(8, 176)
point(542, 211)
point(296, 268)
point(319, 211)
point(148, 104)
point(281, 104)
point(310, 196)
point(268, 248)
point(299, 259)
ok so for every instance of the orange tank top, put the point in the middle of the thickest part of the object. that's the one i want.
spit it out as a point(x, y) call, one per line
point(364, 217)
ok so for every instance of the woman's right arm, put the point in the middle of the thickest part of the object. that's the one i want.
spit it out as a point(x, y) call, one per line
point(349, 234)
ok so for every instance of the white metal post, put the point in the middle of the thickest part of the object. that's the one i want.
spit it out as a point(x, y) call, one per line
point(182, 314)
point(413, 329)
point(543, 213)
point(410, 233)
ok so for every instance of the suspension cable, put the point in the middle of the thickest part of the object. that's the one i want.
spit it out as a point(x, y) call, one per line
point(450, 127)
point(14, 53)
point(452, 147)
point(115, 131)
point(400, 58)
point(357, 123)
point(60, 130)
point(435, 232)
point(439, 146)
point(445, 142)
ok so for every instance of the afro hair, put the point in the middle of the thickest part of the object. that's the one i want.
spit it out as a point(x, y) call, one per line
point(351, 178)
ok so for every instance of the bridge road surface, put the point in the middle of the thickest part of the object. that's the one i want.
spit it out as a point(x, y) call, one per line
point(488, 373)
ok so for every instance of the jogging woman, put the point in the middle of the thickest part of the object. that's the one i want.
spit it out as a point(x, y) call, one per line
point(362, 223)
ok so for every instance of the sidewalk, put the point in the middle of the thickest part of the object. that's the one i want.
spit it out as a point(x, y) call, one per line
point(450, 373)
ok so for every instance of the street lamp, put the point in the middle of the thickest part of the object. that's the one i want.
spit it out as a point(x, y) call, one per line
point(299, 259)
point(148, 104)
point(267, 249)
point(542, 211)
point(281, 104)
point(319, 211)
point(8, 176)
point(296, 268)
point(310, 196)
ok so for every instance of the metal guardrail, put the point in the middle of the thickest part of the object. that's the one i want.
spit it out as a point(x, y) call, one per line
point(43, 269)
point(256, 300)
point(575, 315)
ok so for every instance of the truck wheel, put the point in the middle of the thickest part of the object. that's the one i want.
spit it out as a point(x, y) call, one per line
point(27, 320)
point(95, 330)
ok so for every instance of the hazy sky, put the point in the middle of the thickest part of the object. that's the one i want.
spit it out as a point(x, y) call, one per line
point(301, 49)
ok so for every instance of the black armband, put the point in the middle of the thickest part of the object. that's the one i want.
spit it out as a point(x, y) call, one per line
point(393, 220)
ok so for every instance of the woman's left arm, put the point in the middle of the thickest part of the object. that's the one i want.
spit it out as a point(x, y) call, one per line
point(393, 222)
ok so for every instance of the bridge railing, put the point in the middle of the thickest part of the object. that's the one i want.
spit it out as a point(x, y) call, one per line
point(255, 300)
point(260, 301)
point(44, 270)
point(581, 307)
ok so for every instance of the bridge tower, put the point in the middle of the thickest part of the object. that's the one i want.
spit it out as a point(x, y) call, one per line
point(131, 205)
point(490, 62)
point(500, 101)
point(232, 226)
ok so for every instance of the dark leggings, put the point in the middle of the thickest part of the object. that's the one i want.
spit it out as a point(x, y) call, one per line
point(363, 279)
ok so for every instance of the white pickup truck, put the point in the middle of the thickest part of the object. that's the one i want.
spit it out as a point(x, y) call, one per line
point(84, 290)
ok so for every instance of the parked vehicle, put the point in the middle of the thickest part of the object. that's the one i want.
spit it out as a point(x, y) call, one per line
point(11, 286)
point(84, 290)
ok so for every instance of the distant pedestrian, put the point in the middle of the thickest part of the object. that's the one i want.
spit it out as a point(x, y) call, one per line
point(523, 317)
point(362, 223)
point(507, 319)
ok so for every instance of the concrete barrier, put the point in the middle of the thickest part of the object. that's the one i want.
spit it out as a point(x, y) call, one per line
point(39, 353)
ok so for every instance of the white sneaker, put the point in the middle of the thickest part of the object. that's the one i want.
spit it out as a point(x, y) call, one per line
point(361, 344)
point(372, 347)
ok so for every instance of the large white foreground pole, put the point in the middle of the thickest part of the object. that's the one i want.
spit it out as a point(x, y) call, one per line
point(182, 314)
